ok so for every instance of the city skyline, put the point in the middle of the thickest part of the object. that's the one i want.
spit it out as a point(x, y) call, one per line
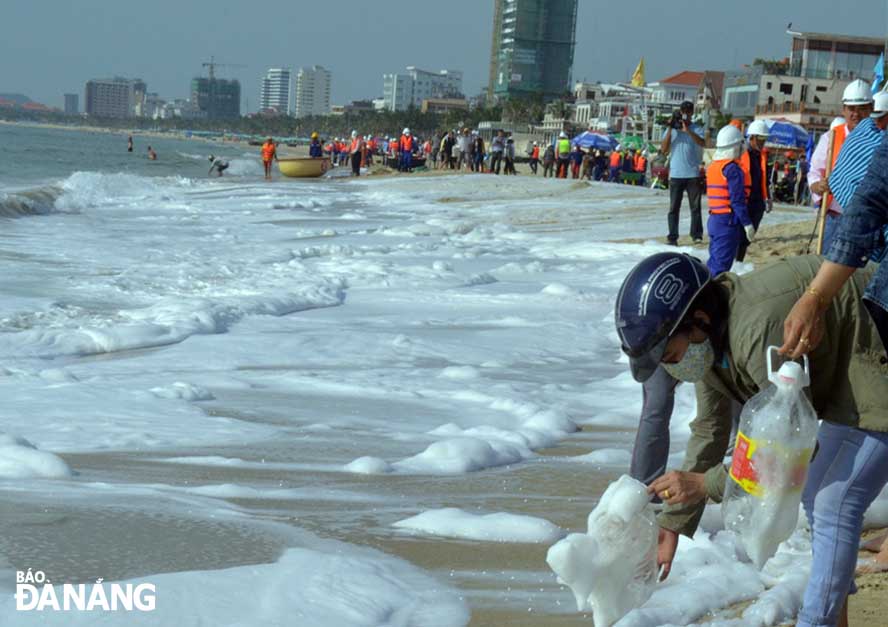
point(75, 43)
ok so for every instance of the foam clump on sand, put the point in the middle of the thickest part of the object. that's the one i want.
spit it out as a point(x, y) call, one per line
point(184, 391)
point(452, 522)
point(612, 568)
point(369, 466)
point(19, 459)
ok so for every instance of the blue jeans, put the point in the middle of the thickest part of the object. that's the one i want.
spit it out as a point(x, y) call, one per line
point(406, 161)
point(847, 474)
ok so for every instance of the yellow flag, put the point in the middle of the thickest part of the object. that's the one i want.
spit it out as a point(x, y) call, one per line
point(638, 76)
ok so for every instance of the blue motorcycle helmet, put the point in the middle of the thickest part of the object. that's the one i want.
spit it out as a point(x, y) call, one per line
point(652, 302)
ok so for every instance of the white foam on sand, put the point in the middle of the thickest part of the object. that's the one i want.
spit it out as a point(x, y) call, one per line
point(19, 459)
point(453, 522)
point(355, 588)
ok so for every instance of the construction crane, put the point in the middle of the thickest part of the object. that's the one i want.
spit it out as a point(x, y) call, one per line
point(213, 65)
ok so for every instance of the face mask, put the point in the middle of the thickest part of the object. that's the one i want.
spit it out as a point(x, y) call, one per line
point(697, 361)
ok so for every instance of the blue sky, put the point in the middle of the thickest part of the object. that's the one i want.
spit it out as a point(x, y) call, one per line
point(50, 47)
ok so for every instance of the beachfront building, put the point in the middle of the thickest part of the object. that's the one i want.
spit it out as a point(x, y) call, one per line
point(401, 91)
point(113, 97)
point(313, 91)
point(532, 49)
point(72, 104)
point(444, 105)
point(741, 91)
point(216, 98)
point(276, 90)
point(808, 90)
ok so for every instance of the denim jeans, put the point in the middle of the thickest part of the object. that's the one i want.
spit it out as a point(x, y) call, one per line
point(847, 474)
point(677, 188)
point(830, 229)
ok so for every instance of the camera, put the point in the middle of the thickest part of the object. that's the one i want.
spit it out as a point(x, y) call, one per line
point(677, 120)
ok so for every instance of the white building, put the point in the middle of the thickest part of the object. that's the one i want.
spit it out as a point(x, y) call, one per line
point(312, 91)
point(400, 91)
point(276, 90)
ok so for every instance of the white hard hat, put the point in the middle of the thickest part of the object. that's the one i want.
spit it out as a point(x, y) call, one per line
point(758, 128)
point(857, 92)
point(562, 134)
point(880, 101)
point(728, 137)
point(836, 122)
point(354, 134)
point(406, 131)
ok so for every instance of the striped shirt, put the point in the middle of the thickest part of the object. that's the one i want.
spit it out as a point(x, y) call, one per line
point(854, 159)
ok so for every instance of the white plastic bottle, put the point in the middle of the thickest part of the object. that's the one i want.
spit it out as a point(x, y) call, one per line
point(775, 440)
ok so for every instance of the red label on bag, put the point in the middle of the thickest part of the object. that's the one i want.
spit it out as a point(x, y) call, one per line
point(742, 470)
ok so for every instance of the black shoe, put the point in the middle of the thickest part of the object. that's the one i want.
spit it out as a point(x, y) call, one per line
point(672, 242)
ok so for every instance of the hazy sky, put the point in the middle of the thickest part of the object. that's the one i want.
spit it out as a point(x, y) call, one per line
point(49, 47)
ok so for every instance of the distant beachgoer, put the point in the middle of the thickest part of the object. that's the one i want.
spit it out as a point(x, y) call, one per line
point(152, 156)
point(314, 148)
point(562, 154)
point(535, 157)
point(497, 147)
point(576, 160)
point(447, 148)
point(356, 151)
point(478, 153)
point(510, 157)
point(269, 154)
point(616, 161)
point(217, 165)
point(549, 161)
point(129, 144)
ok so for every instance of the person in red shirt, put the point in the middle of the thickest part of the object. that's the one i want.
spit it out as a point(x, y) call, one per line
point(406, 146)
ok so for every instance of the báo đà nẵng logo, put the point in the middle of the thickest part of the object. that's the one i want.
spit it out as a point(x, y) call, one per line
point(35, 593)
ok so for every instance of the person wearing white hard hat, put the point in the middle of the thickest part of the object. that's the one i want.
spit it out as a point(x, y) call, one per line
point(406, 146)
point(857, 104)
point(726, 191)
point(562, 155)
point(356, 153)
point(754, 163)
point(854, 159)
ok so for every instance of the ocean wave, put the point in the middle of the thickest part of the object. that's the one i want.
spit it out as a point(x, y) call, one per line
point(31, 202)
point(85, 190)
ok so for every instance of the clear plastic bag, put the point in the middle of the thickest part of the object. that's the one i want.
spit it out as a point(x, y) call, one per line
point(611, 569)
point(775, 440)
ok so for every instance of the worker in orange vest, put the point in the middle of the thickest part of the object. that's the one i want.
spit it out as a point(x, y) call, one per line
point(535, 158)
point(406, 146)
point(615, 162)
point(726, 191)
point(356, 153)
point(269, 154)
point(857, 105)
point(754, 164)
point(641, 167)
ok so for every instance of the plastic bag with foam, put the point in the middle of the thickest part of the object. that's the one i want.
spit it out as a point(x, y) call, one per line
point(612, 568)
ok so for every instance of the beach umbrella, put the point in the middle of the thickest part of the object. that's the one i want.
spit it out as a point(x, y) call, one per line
point(785, 133)
point(636, 142)
point(594, 139)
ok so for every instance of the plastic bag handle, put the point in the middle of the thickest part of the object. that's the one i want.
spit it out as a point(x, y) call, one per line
point(806, 365)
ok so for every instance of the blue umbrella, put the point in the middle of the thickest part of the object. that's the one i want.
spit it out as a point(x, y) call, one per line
point(786, 133)
point(592, 139)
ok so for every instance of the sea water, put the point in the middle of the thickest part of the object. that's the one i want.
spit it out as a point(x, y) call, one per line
point(236, 390)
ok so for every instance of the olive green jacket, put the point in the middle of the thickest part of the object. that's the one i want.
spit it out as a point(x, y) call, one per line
point(849, 376)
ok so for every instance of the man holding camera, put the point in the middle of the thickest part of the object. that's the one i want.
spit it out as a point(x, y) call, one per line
point(684, 143)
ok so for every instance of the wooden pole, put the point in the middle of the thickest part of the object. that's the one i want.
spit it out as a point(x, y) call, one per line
point(824, 200)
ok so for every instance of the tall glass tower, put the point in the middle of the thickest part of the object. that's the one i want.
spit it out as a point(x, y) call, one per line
point(533, 48)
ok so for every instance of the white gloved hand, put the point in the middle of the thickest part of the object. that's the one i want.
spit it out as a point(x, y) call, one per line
point(769, 206)
point(750, 232)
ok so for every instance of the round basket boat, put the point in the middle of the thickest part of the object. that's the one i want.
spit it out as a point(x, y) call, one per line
point(303, 167)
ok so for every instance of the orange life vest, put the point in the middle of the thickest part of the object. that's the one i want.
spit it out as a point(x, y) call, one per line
point(615, 159)
point(406, 143)
point(267, 151)
point(640, 164)
point(747, 175)
point(536, 153)
point(355, 145)
point(840, 133)
point(717, 186)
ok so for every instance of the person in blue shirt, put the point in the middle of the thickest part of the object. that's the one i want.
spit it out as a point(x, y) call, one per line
point(684, 144)
point(314, 148)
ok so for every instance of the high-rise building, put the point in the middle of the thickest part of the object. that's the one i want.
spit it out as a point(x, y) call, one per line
point(72, 104)
point(533, 48)
point(400, 91)
point(216, 98)
point(312, 91)
point(113, 97)
point(276, 90)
